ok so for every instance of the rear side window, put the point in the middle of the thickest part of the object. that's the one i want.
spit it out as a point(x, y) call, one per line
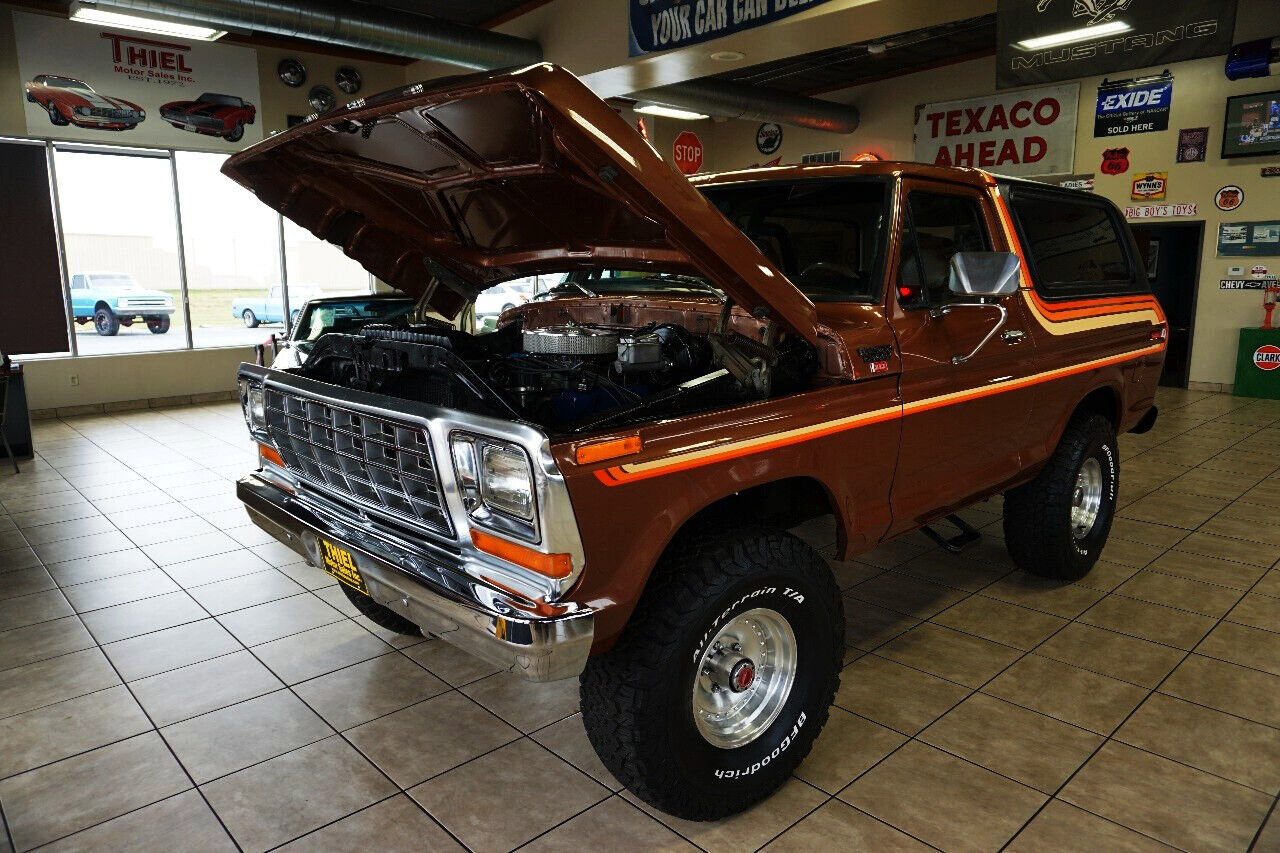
point(1076, 246)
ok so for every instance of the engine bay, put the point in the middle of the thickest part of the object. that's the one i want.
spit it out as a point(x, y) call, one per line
point(569, 376)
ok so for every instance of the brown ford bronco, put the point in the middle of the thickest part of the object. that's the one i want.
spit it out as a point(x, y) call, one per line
point(601, 486)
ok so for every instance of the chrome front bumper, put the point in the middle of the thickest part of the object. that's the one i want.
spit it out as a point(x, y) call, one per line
point(482, 620)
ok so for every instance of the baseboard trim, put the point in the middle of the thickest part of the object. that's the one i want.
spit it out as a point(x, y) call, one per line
point(132, 405)
point(1213, 387)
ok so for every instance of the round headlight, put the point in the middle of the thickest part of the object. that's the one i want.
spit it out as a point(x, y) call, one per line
point(82, 111)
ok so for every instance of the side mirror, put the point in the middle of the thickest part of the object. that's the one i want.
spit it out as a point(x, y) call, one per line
point(985, 275)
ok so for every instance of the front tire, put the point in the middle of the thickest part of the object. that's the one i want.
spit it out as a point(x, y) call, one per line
point(724, 675)
point(379, 614)
point(1056, 525)
point(56, 117)
point(250, 319)
point(235, 134)
point(106, 323)
point(158, 325)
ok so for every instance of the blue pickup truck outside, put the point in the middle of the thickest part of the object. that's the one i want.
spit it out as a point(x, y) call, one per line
point(113, 299)
point(270, 309)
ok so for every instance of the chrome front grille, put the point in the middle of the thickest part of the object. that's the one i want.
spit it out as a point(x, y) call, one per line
point(384, 464)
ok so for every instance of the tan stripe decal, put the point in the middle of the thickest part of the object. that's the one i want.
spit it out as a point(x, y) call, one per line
point(708, 453)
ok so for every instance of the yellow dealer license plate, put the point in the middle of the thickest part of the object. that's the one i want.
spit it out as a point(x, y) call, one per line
point(339, 563)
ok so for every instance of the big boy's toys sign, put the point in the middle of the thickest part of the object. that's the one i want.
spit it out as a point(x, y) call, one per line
point(99, 84)
point(1032, 132)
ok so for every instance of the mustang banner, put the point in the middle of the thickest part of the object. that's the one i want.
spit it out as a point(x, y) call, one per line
point(666, 24)
point(1031, 132)
point(96, 84)
point(1040, 41)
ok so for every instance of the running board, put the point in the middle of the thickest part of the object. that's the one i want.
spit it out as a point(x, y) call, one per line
point(967, 536)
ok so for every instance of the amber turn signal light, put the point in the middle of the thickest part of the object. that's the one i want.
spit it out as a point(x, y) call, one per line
point(550, 565)
point(609, 448)
point(270, 454)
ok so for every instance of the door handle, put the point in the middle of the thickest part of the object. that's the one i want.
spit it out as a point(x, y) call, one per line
point(1013, 336)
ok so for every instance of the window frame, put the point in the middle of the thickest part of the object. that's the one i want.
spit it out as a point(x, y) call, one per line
point(1135, 285)
point(974, 196)
point(66, 278)
point(878, 277)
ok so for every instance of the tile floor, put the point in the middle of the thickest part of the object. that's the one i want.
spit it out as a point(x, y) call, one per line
point(172, 679)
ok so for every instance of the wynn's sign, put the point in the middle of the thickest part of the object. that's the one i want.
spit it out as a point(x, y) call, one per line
point(1046, 40)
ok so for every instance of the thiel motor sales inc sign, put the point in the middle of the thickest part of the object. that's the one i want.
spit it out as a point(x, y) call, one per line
point(1028, 132)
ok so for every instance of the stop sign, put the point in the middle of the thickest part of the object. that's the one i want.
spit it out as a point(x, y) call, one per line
point(687, 152)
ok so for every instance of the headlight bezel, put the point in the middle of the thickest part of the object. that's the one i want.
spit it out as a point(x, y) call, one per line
point(253, 406)
point(484, 507)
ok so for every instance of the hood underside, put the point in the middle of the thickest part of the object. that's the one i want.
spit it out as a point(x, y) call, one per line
point(440, 190)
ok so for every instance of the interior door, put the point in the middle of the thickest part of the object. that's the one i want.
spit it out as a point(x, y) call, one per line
point(963, 430)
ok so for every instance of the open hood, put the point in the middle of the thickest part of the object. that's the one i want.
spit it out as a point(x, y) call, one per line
point(442, 189)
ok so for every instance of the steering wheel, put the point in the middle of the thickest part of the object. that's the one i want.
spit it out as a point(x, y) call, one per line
point(841, 270)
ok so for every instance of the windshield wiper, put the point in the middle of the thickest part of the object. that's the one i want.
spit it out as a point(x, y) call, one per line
point(564, 285)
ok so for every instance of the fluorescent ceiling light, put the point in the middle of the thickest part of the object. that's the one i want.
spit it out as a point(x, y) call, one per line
point(101, 17)
point(669, 112)
point(1071, 36)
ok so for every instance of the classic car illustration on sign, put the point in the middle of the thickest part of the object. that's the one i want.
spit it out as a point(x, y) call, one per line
point(211, 114)
point(602, 486)
point(69, 101)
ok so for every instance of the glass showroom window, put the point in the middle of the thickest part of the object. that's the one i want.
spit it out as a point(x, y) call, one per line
point(120, 235)
point(316, 268)
point(231, 243)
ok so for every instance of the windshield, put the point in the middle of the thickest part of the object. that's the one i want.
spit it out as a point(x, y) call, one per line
point(827, 236)
point(223, 100)
point(348, 315)
point(66, 83)
point(122, 281)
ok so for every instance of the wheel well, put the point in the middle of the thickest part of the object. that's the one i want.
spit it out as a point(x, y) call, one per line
point(101, 304)
point(782, 503)
point(1101, 401)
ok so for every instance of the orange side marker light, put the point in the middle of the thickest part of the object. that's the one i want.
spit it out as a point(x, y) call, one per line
point(609, 448)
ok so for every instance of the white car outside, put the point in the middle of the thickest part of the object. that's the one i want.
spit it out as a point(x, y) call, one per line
point(497, 299)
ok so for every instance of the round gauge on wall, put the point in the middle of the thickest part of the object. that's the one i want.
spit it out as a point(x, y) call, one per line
point(348, 79)
point(291, 72)
point(322, 99)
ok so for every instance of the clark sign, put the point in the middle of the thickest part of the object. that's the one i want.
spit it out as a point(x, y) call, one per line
point(1031, 132)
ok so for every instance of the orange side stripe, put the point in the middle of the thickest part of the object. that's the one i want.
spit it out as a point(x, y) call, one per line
point(618, 474)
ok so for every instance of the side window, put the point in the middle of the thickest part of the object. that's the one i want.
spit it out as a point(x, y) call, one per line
point(1075, 245)
point(273, 295)
point(78, 283)
point(938, 225)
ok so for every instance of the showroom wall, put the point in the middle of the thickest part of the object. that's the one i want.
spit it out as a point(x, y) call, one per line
point(177, 373)
point(1199, 98)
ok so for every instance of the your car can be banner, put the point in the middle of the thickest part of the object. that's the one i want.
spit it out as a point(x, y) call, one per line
point(666, 24)
point(1040, 41)
point(1031, 132)
point(1133, 106)
point(96, 84)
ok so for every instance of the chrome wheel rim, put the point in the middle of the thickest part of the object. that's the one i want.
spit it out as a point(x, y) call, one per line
point(1086, 498)
point(744, 677)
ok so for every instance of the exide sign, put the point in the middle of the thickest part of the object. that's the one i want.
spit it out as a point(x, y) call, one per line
point(1017, 133)
point(147, 57)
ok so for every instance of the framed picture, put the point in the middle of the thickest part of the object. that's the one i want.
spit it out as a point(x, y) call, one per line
point(1252, 125)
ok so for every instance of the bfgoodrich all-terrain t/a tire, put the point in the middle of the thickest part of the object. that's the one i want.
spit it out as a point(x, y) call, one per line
point(1056, 525)
point(724, 675)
